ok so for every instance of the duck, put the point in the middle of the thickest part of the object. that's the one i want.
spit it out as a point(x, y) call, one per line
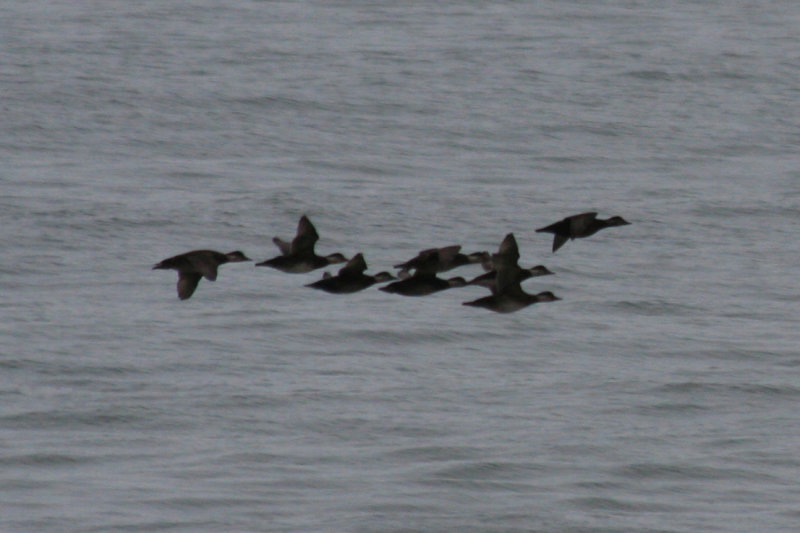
point(351, 278)
point(512, 300)
point(423, 285)
point(298, 256)
point(197, 264)
point(424, 280)
point(449, 257)
point(507, 295)
point(487, 279)
point(579, 226)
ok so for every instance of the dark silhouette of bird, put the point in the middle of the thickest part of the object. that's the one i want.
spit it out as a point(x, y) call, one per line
point(298, 256)
point(197, 264)
point(579, 226)
point(351, 278)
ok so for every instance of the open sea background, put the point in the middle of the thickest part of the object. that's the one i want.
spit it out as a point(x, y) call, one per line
point(660, 395)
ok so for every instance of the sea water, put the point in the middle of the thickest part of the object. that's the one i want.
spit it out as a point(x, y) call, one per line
point(659, 395)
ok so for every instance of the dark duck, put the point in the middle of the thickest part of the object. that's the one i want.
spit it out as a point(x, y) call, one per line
point(424, 280)
point(579, 226)
point(447, 258)
point(192, 266)
point(507, 295)
point(351, 278)
point(298, 256)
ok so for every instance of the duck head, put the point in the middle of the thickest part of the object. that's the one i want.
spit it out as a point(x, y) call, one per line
point(383, 277)
point(540, 270)
point(336, 258)
point(617, 221)
point(458, 281)
point(546, 296)
point(237, 257)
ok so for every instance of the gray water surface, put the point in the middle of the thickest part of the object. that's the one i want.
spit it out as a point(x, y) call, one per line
point(659, 395)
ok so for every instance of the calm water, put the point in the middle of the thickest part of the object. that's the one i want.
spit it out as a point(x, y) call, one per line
point(660, 395)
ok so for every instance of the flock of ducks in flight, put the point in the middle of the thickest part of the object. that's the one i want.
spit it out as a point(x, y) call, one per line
point(415, 277)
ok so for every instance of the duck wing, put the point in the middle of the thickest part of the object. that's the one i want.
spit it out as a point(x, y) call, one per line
point(283, 246)
point(505, 263)
point(558, 240)
point(508, 277)
point(187, 283)
point(508, 248)
point(306, 237)
point(448, 254)
point(421, 256)
point(355, 267)
point(427, 263)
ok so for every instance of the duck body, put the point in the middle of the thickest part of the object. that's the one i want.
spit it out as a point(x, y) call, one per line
point(195, 265)
point(349, 285)
point(301, 263)
point(298, 256)
point(511, 301)
point(423, 284)
point(351, 278)
point(579, 226)
point(446, 258)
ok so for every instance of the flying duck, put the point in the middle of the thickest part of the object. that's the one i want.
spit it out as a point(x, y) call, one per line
point(197, 264)
point(423, 285)
point(298, 257)
point(351, 278)
point(578, 226)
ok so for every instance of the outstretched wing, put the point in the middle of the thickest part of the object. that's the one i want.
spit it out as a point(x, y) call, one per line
point(508, 276)
point(508, 248)
point(505, 263)
point(354, 267)
point(306, 237)
point(187, 283)
point(427, 262)
point(558, 241)
point(283, 246)
point(448, 254)
point(414, 261)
